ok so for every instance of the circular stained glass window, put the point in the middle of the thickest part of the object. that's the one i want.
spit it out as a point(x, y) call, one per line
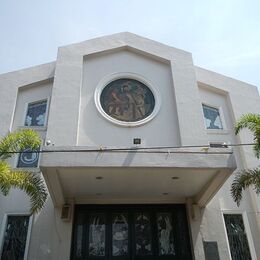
point(127, 100)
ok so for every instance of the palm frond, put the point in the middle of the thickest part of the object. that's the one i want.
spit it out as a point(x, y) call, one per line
point(5, 185)
point(249, 121)
point(243, 180)
point(256, 149)
point(19, 141)
point(252, 122)
point(32, 184)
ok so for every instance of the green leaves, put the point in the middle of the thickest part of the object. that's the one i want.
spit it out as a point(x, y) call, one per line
point(31, 183)
point(247, 178)
point(5, 184)
point(243, 180)
point(19, 141)
point(252, 122)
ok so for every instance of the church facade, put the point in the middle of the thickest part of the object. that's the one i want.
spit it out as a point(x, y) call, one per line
point(138, 154)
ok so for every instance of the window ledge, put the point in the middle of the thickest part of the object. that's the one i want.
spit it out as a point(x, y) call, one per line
point(28, 169)
point(217, 132)
point(36, 128)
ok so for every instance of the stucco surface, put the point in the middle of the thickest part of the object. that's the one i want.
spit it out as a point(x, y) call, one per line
point(74, 121)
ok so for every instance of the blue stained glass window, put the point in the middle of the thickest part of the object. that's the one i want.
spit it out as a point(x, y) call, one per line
point(212, 117)
point(36, 113)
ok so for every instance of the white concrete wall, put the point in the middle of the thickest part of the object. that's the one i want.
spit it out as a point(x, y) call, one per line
point(27, 95)
point(16, 90)
point(209, 226)
point(95, 130)
point(74, 120)
point(9, 85)
point(229, 95)
point(68, 87)
point(50, 238)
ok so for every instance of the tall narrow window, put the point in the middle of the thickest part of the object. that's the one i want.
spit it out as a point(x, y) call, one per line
point(15, 236)
point(36, 113)
point(212, 117)
point(237, 238)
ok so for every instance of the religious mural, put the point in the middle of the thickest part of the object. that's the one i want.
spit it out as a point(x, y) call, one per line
point(127, 100)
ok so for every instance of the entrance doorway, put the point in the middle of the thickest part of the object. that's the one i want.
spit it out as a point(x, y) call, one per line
point(130, 232)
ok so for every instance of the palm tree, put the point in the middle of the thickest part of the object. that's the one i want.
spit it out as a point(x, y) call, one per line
point(32, 184)
point(250, 177)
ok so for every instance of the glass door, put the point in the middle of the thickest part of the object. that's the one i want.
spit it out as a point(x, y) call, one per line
point(130, 232)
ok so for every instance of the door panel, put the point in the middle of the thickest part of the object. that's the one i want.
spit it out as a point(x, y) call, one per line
point(165, 234)
point(97, 235)
point(142, 234)
point(120, 239)
point(130, 232)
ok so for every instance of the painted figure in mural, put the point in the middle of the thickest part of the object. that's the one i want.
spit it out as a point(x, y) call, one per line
point(120, 235)
point(127, 103)
point(127, 100)
point(97, 238)
point(165, 236)
point(134, 102)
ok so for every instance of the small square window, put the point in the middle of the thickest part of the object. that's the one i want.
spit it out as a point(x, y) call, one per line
point(212, 117)
point(36, 113)
point(28, 159)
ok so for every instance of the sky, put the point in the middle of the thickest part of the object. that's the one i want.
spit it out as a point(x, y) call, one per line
point(222, 35)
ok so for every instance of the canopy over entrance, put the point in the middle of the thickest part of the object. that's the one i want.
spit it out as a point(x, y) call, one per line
point(142, 176)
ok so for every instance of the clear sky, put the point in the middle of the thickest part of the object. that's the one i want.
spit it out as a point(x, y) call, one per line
point(222, 35)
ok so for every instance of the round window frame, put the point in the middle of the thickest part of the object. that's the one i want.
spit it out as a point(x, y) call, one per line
point(106, 80)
